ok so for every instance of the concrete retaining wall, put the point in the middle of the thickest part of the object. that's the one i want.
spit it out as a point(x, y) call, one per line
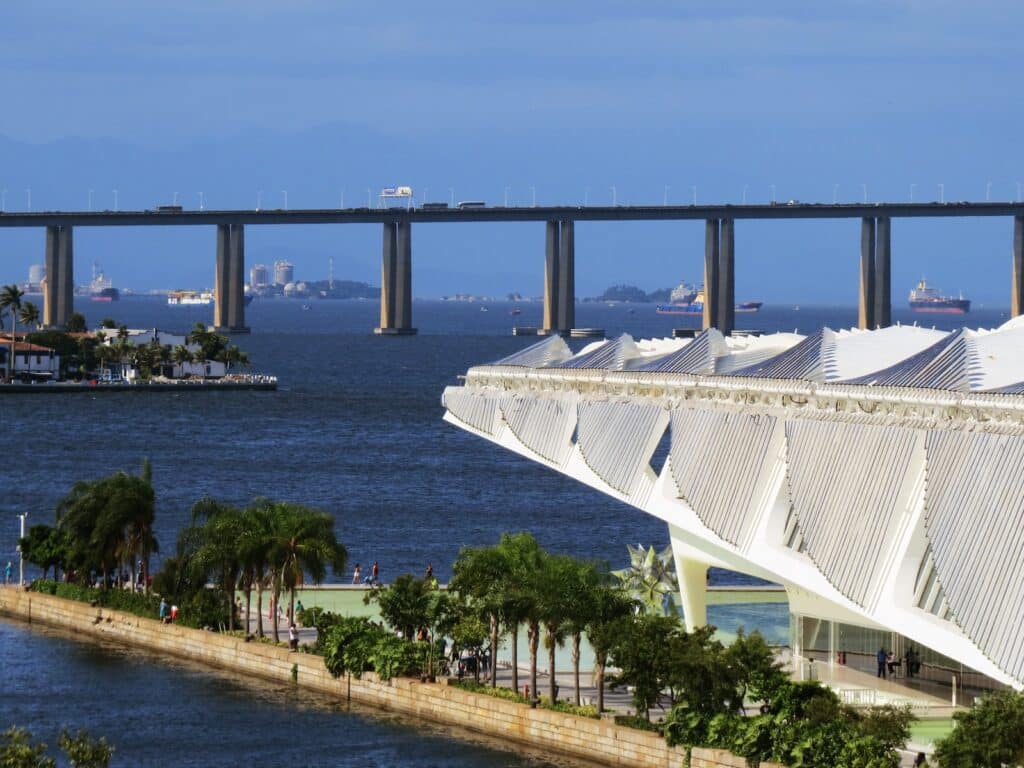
point(593, 740)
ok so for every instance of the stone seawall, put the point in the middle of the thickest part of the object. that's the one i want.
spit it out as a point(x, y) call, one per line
point(598, 741)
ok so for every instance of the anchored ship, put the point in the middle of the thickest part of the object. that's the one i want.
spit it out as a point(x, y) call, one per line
point(101, 288)
point(685, 299)
point(924, 298)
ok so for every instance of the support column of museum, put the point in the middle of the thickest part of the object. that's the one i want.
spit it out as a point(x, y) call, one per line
point(883, 273)
point(566, 277)
point(726, 292)
point(866, 299)
point(551, 256)
point(59, 296)
point(711, 272)
point(1017, 278)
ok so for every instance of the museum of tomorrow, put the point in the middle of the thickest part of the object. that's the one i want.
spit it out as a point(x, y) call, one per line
point(877, 475)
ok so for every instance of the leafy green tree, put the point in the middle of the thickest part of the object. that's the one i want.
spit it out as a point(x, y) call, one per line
point(405, 605)
point(757, 672)
point(83, 751)
point(218, 554)
point(18, 751)
point(643, 654)
point(44, 546)
point(650, 578)
point(557, 585)
point(989, 735)
point(525, 562)
point(76, 323)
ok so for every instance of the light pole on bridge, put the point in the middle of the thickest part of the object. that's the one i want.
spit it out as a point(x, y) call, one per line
point(864, 190)
point(773, 192)
point(694, 194)
point(942, 193)
point(664, 198)
point(835, 194)
point(200, 201)
point(3, 197)
point(451, 196)
point(533, 191)
point(506, 197)
point(259, 199)
point(90, 201)
point(615, 198)
point(285, 193)
point(28, 199)
point(745, 186)
point(988, 192)
point(115, 201)
point(912, 188)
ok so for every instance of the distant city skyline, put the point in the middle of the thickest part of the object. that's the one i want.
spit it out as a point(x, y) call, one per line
point(584, 102)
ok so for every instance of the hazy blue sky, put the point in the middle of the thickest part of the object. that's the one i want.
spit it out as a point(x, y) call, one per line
point(569, 98)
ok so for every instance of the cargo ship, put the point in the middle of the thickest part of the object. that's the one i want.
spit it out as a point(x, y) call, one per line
point(101, 289)
point(924, 298)
point(688, 300)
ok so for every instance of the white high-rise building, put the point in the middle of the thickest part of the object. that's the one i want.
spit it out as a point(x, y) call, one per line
point(284, 272)
point(259, 276)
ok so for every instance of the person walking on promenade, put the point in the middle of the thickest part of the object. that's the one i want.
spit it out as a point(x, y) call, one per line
point(357, 574)
point(8, 572)
point(293, 638)
point(163, 611)
point(375, 573)
point(429, 574)
point(882, 658)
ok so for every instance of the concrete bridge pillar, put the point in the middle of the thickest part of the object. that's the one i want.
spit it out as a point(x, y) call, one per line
point(726, 278)
point(1017, 278)
point(566, 277)
point(396, 281)
point(866, 300)
point(551, 256)
point(883, 273)
point(59, 296)
point(711, 274)
point(229, 280)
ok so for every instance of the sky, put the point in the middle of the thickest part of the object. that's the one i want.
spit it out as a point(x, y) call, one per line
point(561, 101)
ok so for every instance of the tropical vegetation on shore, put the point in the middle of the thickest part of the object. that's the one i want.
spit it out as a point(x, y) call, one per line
point(17, 750)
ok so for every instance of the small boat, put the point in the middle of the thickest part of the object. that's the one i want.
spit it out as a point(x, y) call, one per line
point(306, 307)
point(515, 311)
point(483, 309)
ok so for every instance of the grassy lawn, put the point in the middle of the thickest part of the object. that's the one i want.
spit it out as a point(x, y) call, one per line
point(930, 731)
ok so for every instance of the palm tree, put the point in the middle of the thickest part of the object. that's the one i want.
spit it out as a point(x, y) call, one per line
point(610, 605)
point(524, 562)
point(219, 553)
point(480, 575)
point(303, 542)
point(254, 549)
point(29, 314)
point(10, 301)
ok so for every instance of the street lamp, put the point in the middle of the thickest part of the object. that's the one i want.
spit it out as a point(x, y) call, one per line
point(864, 189)
point(912, 188)
point(28, 199)
point(694, 194)
point(200, 201)
point(90, 201)
point(115, 201)
point(615, 199)
point(259, 199)
point(586, 194)
point(3, 197)
point(21, 555)
point(988, 192)
point(341, 202)
point(773, 192)
point(664, 199)
point(174, 200)
point(285, 193)
point(942, 193)
point(745, 193)
point(835, 194)
point(451, 196)
point(533, 191)
point(506, 197)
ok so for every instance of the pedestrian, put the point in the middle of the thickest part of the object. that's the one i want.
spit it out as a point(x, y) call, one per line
point(891, 662)
point(163, 611)
point(921, 760)
point(375, 573)
point(882, 657)
point(8, 572)
point(238, 606)
point(429, 573)
point(293, 637)
point(174, 613)
point(357, 574)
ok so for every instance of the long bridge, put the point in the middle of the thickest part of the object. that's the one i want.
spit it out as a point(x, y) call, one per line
point(874, 301)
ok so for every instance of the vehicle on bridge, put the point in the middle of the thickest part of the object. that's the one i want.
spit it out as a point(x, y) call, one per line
point(472, 204)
